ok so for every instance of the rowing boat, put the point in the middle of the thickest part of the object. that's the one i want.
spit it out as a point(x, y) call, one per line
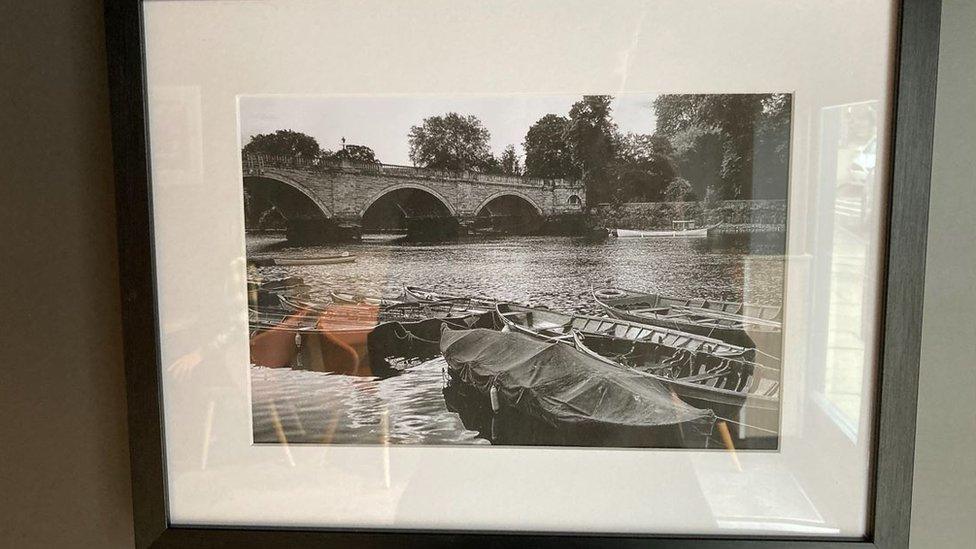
point(344, 257)
point(415, 294)
point(740, 390)
point(346, 342)
point(673, 233)
point(364, 352)
point(407, 311)
point(353, 298)
point(751, 310)
point(278, 345)
point(291, 284)
point(581, 396)
point(548, 324)
point(703, 317)
point(262, 294)
point(382, 238)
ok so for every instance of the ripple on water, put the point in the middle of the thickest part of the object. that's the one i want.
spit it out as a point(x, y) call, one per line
point(314, 407)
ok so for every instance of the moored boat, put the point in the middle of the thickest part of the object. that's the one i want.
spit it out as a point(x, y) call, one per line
point(344, 257)
point(751, 310)
point(354, 298)
point(678, 230)
point(583, 397)
point(415, 294)
point(264, 293)
point(744, 392)
point(350, 345)
point(383, 238)
point(359, 311)
point(703, 317)
point(407, 311)
point(548, 324)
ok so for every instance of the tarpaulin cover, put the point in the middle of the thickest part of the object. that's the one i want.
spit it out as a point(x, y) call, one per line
point(557, 383)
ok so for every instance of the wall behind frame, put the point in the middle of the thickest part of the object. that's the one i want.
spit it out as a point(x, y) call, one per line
point(944, 501)
point(64, 459)
point(64, 475)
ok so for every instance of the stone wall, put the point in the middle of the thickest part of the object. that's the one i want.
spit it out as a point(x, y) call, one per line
point(344, 193)
point(659, 215)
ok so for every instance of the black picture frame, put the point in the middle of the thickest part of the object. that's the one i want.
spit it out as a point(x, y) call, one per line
point(910, 169)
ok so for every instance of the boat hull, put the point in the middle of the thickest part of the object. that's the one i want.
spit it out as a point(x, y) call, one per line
point(300, 261)
point(350, 298)
point(634, 233)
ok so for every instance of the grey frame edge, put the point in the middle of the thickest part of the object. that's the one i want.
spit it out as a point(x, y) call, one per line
point(913, 118)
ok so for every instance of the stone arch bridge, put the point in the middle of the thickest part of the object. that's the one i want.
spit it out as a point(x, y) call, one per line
point(324, 201)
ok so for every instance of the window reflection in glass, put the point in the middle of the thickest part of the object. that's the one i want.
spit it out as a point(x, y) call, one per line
point(849, 185)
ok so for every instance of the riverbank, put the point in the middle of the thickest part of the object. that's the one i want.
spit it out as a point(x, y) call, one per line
point(735, 216)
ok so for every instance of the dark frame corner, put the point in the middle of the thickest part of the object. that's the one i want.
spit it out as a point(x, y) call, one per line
point(910, 170)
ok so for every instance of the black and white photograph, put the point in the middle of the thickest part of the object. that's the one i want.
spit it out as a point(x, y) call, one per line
point(528, 270)
point(468, 273)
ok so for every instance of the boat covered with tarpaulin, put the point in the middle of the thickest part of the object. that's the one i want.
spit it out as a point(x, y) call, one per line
point(571, 391)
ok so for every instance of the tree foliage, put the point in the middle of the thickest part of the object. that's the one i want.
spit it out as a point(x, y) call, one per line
point(285, 143)
point(741, 121)
point(451, 142)
point(643, 167)
point(509, 163)
point(547, 153)
point(698, 154)
point(678, 190)
point(352, 153)
point(590, 136)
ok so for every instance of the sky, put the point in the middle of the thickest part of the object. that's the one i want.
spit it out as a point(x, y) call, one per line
point(383, 122)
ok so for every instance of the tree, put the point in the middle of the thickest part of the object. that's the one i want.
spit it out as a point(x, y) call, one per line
point(738, 117)
point(451, 142)
point(772, 150)
point(547, 154)
point(698, 154)
point(638, 147)
point(491, 164)
point(284, 143)
point(352, 153)
point(590, 136)
point(509, 162)
point(643, 167)
point(678, 190)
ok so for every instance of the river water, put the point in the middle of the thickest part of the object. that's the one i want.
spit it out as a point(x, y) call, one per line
point(556, 272)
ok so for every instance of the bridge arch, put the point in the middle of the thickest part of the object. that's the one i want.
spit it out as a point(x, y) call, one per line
point(501, 194)
point(289, 182)
point(393, 188)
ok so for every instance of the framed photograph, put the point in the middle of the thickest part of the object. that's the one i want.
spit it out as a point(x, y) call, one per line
point(505, 272)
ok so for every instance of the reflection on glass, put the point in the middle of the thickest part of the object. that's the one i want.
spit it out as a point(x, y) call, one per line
point(849, 175)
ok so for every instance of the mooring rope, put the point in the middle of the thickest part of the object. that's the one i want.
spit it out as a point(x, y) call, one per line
point(747, 425)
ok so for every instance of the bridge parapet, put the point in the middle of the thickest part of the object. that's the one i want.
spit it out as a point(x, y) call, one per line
point(256, 164)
